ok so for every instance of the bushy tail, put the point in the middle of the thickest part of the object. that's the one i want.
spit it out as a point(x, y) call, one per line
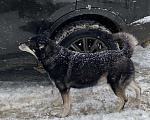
point(129, 43)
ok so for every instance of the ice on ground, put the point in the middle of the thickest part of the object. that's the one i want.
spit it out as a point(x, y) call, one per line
point(94, 103)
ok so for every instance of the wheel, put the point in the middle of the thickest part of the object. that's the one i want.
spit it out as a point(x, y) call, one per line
point(85, 36)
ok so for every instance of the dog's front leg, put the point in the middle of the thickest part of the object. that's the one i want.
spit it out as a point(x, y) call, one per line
point(66, 103)
point(58, 101)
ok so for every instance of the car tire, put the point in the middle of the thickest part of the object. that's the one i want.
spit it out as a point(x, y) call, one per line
point(85, 36)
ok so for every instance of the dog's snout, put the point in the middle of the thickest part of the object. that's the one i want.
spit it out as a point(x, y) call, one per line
point(23, 43)
point(20, 43)
point(22, 46)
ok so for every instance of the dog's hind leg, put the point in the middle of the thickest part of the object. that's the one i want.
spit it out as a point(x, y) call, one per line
point(137, 89)
point(66, 103)
point(121, 95)
point(58, 101)
point(123, 98)
point(118, 89)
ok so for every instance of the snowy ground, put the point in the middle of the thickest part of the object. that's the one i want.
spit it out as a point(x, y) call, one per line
point(30, 101)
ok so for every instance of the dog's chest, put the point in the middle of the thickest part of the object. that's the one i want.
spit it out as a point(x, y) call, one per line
point(103, 79)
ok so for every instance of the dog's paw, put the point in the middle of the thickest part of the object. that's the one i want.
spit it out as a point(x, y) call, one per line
point(56, 103)
point(137, 103)
point(116, 110)
point(62, 115)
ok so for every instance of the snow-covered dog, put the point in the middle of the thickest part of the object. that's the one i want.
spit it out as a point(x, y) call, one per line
point(79, 70)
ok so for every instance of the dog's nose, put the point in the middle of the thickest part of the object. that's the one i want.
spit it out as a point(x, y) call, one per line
point(21, 43)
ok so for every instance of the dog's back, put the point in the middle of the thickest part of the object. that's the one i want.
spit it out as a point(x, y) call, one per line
point(86, 69)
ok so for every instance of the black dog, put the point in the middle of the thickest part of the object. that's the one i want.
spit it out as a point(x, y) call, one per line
point(78, 70)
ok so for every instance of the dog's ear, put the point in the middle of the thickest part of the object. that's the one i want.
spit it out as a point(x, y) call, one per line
point(42, 44)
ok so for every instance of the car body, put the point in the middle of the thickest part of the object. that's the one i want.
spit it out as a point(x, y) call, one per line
point(21, 19)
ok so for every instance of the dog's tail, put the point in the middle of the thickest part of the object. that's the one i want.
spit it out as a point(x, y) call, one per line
point(129, 43)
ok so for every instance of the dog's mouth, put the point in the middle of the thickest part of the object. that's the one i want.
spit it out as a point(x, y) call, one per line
point(24, 47)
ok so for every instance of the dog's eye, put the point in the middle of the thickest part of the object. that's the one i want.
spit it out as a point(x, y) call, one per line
point(28, 40)
point(24, 45)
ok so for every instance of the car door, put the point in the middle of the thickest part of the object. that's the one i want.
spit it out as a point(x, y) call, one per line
point(21, 19)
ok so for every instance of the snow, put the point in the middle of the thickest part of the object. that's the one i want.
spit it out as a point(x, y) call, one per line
point(142, 20)
point(94, 103)
point(142, 56)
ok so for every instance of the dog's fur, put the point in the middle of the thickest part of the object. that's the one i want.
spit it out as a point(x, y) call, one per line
point(79, 70)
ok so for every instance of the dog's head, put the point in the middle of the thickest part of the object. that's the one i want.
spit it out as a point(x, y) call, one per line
point(34, 45)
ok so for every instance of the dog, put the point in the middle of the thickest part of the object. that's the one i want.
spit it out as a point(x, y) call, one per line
point(70, 69)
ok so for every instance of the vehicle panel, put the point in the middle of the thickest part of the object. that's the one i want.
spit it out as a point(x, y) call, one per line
point(21, 19)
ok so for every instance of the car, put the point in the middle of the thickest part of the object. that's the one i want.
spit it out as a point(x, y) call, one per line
point(74, 24)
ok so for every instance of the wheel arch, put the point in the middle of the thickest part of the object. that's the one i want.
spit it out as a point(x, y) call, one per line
point(108, 19)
